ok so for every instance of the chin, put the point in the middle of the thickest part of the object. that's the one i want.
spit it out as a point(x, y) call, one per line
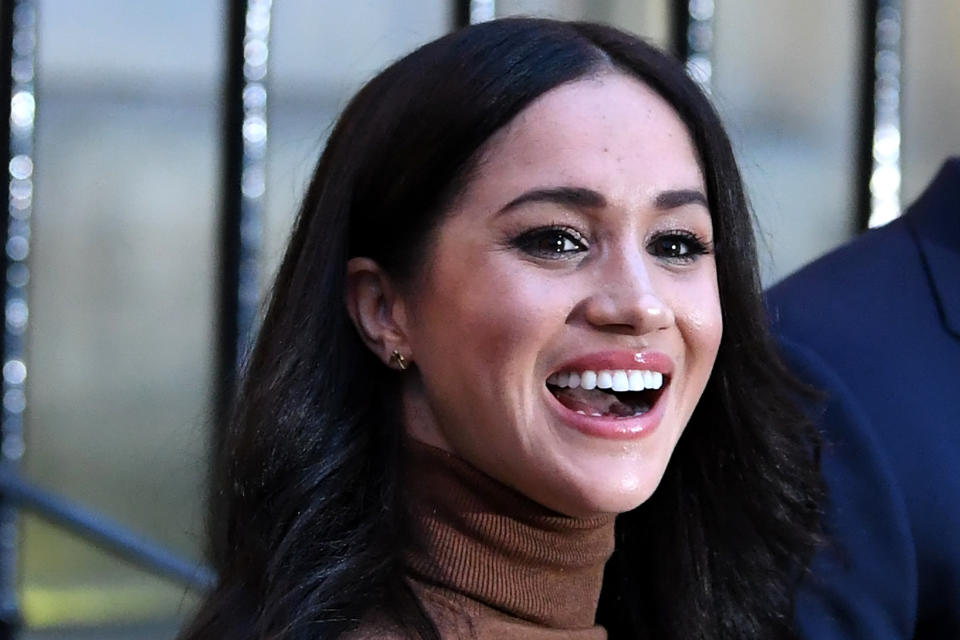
point(606, 493)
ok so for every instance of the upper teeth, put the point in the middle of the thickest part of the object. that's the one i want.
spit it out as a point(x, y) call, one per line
point(615, 379)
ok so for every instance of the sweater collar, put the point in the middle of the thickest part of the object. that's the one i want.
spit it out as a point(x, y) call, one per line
point(491, 548)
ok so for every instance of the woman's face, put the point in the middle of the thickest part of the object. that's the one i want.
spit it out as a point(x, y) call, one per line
point(575, 269)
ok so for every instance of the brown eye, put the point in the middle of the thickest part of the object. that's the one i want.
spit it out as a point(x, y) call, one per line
point(672, 247)
point(550, 243)
point(677, 246)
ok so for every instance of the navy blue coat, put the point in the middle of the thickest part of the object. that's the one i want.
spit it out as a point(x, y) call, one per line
point(876, 325)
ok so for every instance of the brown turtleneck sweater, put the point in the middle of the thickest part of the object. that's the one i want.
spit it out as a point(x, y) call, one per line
point(491, 563)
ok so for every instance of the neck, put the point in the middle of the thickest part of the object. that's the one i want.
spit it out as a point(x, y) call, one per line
point(490, 548)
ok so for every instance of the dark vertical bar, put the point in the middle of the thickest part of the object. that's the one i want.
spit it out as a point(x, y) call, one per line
point(9, 614)
point(244, 185)
point(253, 96)
point(691, 36)
point(18, 117)
point(679, 26)
point(227, 328)
point(461, 13)
point(878, 134)
point(467, 12)
point(867, 120)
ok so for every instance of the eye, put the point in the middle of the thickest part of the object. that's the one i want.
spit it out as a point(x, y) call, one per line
point(678, 246)
point(551, 243)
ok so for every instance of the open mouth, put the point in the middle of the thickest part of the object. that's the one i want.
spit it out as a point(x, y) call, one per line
point(608, 393)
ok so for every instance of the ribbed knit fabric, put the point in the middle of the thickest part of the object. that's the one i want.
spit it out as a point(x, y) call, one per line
point(491, 563)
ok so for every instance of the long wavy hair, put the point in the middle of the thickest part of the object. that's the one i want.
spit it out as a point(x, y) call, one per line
point(306, 517)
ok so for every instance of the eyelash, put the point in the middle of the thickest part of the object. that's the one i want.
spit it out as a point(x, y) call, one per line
point(559, 234)
point(695, 246)
point(676, 245)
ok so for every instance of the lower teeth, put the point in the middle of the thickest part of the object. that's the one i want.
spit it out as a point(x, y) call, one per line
point(610, 415)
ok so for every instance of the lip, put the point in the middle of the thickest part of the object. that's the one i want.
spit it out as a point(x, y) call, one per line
point(616, 428)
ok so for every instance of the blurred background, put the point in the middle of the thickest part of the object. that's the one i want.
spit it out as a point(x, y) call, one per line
point(128, 198)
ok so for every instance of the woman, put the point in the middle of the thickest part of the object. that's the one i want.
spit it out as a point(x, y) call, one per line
point(524, 268)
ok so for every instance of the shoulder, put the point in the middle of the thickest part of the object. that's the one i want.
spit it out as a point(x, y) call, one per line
point(866, 576)
point(848, 278)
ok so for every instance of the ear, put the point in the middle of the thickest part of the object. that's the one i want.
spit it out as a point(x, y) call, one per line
point(376, 309)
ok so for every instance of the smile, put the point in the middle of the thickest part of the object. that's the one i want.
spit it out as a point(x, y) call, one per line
point(607, 393)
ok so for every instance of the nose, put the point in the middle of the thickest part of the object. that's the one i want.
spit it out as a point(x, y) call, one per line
point(625, 299)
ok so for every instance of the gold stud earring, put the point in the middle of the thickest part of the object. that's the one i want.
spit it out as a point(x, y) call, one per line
point(397, 357)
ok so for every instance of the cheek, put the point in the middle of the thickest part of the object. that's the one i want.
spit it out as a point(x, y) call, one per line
point(700, 318)
point(478, 334)
point(491, 315)
point(704, 325)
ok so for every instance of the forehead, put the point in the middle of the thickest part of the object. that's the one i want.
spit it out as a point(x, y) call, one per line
point(610, 132)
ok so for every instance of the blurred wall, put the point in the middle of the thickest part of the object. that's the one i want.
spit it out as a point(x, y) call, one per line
point(121, 307)
point(931, 90)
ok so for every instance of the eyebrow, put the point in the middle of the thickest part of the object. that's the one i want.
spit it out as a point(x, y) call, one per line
point(583, 198)
point(574, 197)
point(679, 197)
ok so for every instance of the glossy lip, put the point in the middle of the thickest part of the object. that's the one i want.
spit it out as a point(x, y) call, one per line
point(616, 428)
point(611, 360)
